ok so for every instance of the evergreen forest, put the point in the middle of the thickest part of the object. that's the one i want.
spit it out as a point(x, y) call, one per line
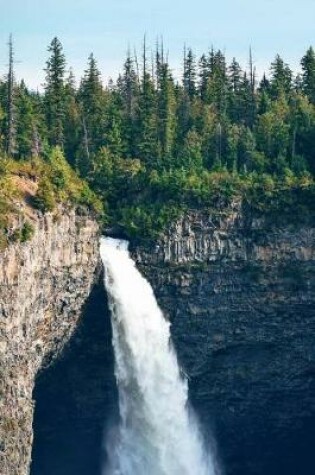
point(150, 145)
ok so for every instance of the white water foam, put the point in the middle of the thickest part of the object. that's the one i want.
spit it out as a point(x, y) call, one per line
point(158, 434)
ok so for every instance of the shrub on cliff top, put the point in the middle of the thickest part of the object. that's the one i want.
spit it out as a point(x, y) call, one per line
point(60, 184)
point(42, 184)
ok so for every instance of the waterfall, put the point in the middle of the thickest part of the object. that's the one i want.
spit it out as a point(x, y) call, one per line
point(158, 434)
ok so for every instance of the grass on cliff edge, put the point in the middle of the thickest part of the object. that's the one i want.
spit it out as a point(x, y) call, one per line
point(41, 185)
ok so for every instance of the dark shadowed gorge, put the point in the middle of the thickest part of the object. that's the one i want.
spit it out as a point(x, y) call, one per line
point(76, 397)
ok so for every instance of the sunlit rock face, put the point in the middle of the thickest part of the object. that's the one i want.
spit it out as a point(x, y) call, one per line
point(240, 294)
point(44, 284)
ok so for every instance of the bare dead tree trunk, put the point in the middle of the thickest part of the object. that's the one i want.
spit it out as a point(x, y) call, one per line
point(36, 145)
point(11, 131)
point(137, 67)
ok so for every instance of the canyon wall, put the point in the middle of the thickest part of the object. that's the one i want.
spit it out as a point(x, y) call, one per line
point(239, 291)
point(43, 286)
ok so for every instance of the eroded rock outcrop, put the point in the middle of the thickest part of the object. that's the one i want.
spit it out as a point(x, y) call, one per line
point(43, 286)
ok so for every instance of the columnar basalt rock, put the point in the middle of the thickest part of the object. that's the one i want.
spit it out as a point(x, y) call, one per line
point(231, 236)
point(43, 285)
point(239, 291)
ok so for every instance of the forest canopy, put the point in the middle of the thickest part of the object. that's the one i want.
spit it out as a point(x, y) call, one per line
point(151, 145)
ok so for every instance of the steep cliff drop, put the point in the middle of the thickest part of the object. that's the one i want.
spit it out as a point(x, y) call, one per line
point(158, 434)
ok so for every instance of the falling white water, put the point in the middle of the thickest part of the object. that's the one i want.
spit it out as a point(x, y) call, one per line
point(158, 434)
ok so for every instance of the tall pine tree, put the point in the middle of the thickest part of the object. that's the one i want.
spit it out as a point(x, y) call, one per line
point(55, 93)
point(308, 78)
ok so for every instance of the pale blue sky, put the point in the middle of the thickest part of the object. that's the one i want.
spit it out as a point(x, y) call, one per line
point(106, 27)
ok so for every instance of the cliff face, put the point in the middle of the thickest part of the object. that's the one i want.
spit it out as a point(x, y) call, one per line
point(44, 284)
point(240, 295)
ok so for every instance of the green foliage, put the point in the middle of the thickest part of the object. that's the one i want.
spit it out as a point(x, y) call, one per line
point(55, 93)
point(27, 232)
point(45, 199)
point(42, 184)
point(150, 147)
point(288, 200)
point(23, 234)
point(147, 220)
point(281, 78)
point(61, 184)
point(308, 68)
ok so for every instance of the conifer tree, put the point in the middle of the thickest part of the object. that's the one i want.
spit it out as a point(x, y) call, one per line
point(186, 98)
point(264, 84)
point(92, 108)
point(73, 127)
point(208, 133)
point(204, 74)
point(55, 93)
point(27, 122)
point(217, 88)
point(129, 90)
point(233, 139)
point(308, 78)
point(246, 101)
point(235, 88)
point(147, 143)
point(192, 152)
point(190, 73)
point(273, 133)
point(113, 131)
point(281, 78)
point(166, 109)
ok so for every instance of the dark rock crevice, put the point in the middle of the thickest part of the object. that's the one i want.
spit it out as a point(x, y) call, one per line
point(76, 398)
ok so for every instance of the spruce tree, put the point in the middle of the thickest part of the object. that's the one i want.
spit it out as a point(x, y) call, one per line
point(192, 152)
point(27, 122)
point(129, 91)
point(234, 95)
point(166, 110)
point(281, 78)
point(72, 127)
point(217, 88)
point(308, 78)
point(55, 93)
point(91, 97)
point(147, 143)
point(204, 74)
point(113, 132)
point(190, 73)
